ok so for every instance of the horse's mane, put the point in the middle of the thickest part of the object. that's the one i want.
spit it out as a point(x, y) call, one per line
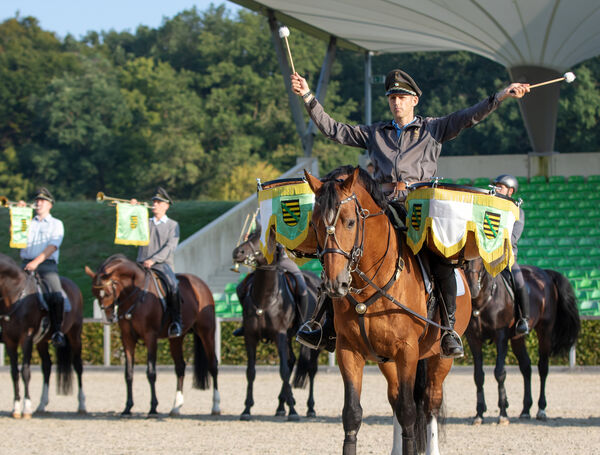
point(328, 197)
point(8, 267)
point(119, 257)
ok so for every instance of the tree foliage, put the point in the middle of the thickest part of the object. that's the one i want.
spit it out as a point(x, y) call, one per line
point(199, 104)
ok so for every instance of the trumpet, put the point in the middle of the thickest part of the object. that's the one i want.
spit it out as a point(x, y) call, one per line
point(5, 202)
point(101, 197)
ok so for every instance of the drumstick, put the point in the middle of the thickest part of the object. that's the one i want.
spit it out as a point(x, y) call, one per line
point(284, 32)
point(567, 77)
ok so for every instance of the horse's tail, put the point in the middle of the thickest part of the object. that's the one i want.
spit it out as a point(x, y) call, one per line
point(568, 324)
point(307, 365)
point(201, 377)
point(419, 396)
point(64, 368)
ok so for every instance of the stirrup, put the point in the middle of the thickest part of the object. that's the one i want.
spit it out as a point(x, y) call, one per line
point(518, 333)
point(174, 330)
point(454, 334)
point(308, 325)
point(58, 339)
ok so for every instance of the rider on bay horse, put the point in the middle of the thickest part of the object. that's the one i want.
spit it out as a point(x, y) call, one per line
point(404, 151)
point(508, 186)
point(41, 254)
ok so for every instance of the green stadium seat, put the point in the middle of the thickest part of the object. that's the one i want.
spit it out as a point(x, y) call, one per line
point(564, 223)
point(482, 182)
point(576, 179)
point(587, 222)
point(238, 310)
point(593, 252)
point(545, 242)
point(567, 263)
point(521, 179)
point(565, 242)
point(562, 187)
point(593, 232)
point(230, 288)
point(233, 298)
point(527, 242)
point(219, 297)
point(544, 263)
point(537, 179)
point(463, 181)
point(573, 252)
point(593, 179)
point(595, 294)
point(587, 242)
point(581, 295)
point(576, 274)
point(586, 263)
point(584, 284)
point(555, 232)
point(594, 273)
point(545, 222)
point(588, 307)
point(556, 179)
point(223, 310)
point(446, 180)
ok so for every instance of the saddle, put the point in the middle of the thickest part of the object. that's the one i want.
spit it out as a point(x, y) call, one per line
point(162, 284)
point(43, 292)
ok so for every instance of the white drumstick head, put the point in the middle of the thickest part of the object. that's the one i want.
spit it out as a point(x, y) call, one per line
point(284, 32)
point(569, 77)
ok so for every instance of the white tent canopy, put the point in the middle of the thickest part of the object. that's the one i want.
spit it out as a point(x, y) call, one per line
point(533, 39)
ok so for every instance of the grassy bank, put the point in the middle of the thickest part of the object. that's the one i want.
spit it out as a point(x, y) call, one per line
point(90, 230)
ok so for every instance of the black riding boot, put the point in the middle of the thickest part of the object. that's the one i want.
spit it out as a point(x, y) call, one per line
point(522, 300)
point(451, 345)
point(175, 328)
point(324, 336)
point(55, 308)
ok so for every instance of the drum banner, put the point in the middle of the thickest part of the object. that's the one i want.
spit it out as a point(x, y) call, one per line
point(132, 225)
point(20, 219)
point(288, 209)
point(447, 216)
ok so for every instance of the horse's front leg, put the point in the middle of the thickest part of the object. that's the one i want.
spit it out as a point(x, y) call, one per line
point(406, 409)
point(176, 347)
point(475, 343)
point(500, 374)
point(26, 375)
point(520, 351)
point(128, 341)
point(393, 387)
point(437, 370)
point(151, 346)
point(250, 376)
point(351, 366)
point(286, 364)
point(13, 355)
point(42, 349)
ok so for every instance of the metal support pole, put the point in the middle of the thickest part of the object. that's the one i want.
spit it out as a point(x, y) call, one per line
point(107, 345)
point(295, 105)
point(218, 340)
point(368, 95)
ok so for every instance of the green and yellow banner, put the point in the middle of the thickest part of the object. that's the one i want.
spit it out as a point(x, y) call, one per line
point(132, 225)
point(20, 219)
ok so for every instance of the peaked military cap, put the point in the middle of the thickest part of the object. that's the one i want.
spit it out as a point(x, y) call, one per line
point(162, 195)
point(398, 81)
point(43, 193)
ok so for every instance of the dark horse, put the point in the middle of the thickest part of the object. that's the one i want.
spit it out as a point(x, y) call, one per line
point(24, 321)
point(271, 314)
point(380, 310)
point(127, 292)
point(554, 317)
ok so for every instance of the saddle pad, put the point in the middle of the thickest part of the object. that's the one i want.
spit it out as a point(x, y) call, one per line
point(460, 286)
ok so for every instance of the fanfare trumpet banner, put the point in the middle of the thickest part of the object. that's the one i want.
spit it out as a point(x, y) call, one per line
point(132, 224)
point(20, 219)
point(286, 206)
point(449, 220)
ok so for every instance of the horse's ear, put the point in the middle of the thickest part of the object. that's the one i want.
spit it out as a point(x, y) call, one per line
point(314, 183)
point(347, 184)
point(89, 272)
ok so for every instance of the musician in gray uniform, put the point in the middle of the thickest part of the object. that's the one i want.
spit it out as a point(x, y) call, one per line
point(404, 151)
point(160, 252)
point(508, 185)
point(41, 255)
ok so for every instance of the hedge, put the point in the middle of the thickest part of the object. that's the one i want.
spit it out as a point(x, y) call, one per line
point(233, 351)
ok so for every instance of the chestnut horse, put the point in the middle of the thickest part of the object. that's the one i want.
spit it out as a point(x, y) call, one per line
point(24, 323)
point(381, 312)
point(553, 315)
point(127, 292)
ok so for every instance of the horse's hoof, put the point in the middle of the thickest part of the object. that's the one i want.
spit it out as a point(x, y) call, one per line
point(525, 416)
point(280, 413)
point(16, 415)
point(311, 414)
point(174, 413)
point(293, 418)
point(541, 415)
point(502, 420)
point(152, 415)
point(26, 416)
point(245, 417)
point(215, 413)
point(126, 414)
point(478, 420)
point(82, 411)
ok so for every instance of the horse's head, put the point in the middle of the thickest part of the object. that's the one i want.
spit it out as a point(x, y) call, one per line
point(248, 252)
point(107, 286)
point(11, 277)
point(341, 208)
point(475, 274)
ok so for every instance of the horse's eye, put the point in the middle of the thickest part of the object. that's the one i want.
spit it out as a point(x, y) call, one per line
point(350, 223)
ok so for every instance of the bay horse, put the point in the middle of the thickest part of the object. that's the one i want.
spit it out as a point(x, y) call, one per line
point(270, 314)
point(24, 322)
point(128, 294)
point(380, 311)
point(553, 315)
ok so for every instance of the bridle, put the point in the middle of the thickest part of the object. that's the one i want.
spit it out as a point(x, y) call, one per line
point(116, 302)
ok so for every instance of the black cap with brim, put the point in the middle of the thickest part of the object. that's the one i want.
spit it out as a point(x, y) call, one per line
point(162, 195)
point(43, 193)
point(400, 82)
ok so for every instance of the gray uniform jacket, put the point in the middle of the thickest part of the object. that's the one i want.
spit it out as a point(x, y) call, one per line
point(164, 238)
point(517, 231)
point(411, 157)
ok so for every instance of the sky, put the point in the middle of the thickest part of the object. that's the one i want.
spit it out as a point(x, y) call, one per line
point(77, 17)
